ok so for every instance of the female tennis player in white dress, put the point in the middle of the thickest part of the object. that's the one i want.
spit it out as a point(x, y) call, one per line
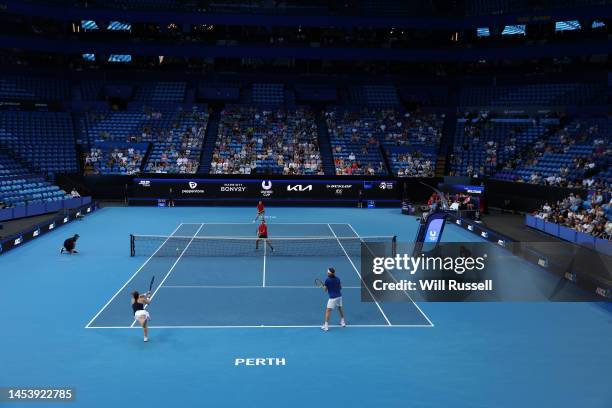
point(140, 314)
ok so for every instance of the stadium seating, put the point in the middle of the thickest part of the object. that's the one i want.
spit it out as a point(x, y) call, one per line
point(20, 187)
point(606, 174)
point(410, 140)
point(91, 90)
point(483, 144)
point(44, 139)
point(115, 158)
point(180, 151)
point(22, 191)
point(355, 147)
point(412, 148)
point(567, 155)
point(577, 219)
point(533, 95)
point(161, 92)
point(268, 94)
point(253, 140)
point(374, 95)
point(9, 167)
point(411, 162)
point(33, 89)
point(369, 135)
point(176, 135)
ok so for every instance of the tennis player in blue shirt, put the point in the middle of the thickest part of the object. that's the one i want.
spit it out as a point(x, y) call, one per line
point(333, 287)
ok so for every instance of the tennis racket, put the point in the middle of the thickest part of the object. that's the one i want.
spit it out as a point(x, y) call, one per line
point(319, 283)
point(151, 284)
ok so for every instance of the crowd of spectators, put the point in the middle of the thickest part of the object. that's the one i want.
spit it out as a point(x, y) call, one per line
point(413, 165)
point(473, 130)
point(353, 167)
point(173, 160)
point(180, 153)
point(581, 171)
point(358, 135)
point(396, 129)
point(176, 149)
point(113, 160)
point(253, 140)
point(592, 216)
point(355, 147)
point(177, 137)
point(456, 202)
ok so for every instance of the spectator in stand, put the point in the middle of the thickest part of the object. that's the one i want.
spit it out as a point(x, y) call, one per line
point(279, 142)
point(413, 165)
point(566, 142)
point(113, 160)
point(589, 216)
point(365, 131)
point(74, 193)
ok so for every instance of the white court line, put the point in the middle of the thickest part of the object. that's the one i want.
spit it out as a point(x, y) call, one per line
point(305, 326)
point(358, 274)
point(405, 292)
point(265, 244)
point(132, 277)
point(172, 268)
point(247, 287)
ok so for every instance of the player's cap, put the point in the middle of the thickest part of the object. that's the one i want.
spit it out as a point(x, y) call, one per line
point(331, 270)
point(77, 236)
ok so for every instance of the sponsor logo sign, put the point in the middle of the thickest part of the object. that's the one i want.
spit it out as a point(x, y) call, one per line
point(299, 187)
point(233, 187)
point(266, 188)
point(193, 189)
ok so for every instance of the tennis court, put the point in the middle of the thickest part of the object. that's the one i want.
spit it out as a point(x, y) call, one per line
point(214, 270)
point(67, 321)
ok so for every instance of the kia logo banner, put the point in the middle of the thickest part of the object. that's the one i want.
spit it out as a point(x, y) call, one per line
point(299, 187)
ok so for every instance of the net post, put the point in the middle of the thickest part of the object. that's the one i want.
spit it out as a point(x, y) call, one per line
point(394, 246)
point(132, 245)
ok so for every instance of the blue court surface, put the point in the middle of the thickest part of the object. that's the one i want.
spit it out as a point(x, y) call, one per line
point(67, 322)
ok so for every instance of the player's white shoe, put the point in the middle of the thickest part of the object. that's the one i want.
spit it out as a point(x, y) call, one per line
point(342, 323)
point(324, 328)
point(146, 339)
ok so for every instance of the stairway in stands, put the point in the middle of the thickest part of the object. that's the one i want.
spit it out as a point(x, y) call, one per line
point(446, 144)
point(212, 131)
point(387, 161)
point(325, 146)
point(17, 160)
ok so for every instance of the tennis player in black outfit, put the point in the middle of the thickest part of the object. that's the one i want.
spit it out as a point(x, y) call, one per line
point(70, 245)
point(140, 314)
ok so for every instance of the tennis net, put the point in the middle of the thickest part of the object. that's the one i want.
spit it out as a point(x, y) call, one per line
point(174, 246)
